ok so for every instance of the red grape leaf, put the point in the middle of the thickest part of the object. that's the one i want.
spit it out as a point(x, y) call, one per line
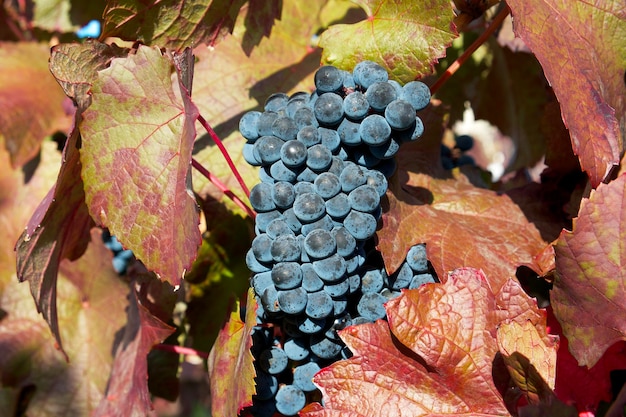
point(407, 38)
point(230, 363)
point(436, 360)
point(138, 135)
point(31, 102)
point(580, 47)
point(530, 360)
point(171, 24)
point(461, 224)
point(75, 67)
point(583, 387)
point(590, 272)
point(127, 392)
point(59, 229)
point(93, 311)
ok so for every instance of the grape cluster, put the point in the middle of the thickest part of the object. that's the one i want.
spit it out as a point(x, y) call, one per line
point(121, 257)
point(324, 161)
point(455, 156)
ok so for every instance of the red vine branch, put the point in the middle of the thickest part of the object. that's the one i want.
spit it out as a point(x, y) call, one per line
point(219, 184)
point(222, 148)
point(495, 23)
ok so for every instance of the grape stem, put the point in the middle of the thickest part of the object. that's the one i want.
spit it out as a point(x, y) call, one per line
point(180, 350)
point(495, 23)
point(222, 149)
point(223, 188)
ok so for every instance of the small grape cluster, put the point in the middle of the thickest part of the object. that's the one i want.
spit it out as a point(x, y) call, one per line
point(455, 156)
point(121, 257)
point(324, 161)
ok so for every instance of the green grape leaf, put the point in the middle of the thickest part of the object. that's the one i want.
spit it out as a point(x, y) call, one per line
point(407, 38)
point(63, 16)
point(580, 47)
point(75, 67)
point(94, 301)
point(230, 363)
point(590, 269)
point(127, 392)
point(58, 230)
point(435, 356)
point(461, 224)
point(171, 24)
point(31, 102)
point(136, 153)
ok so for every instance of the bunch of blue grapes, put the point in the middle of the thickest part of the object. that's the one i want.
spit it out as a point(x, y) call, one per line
point(456, 156)
point(324, 162)
point(121, 257)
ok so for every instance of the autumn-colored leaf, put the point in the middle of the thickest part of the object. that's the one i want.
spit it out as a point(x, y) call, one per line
point(462, 225)
point(58, 230)
point(127, 392)
point(136, 154)
point(31, 103)
point(171, 24)
point(580, 47)
point(436, 360)
point(530, 360)
point(260, 16)
point(407, 38)
point(230, 363)
point(590, 265)
point(93, 300)
point(76, 66)
point(580, 386)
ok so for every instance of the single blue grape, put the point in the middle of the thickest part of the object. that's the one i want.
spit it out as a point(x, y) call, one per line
point(372, 281)
point(339, 288)
point(291, 220)
point(400, 114)
point(266, 386)
point(263, 219)
point(293, 153)
point(264, 124)
point(261, 247)
point(355, 105)
point(364, 198)
point(346, 244)
point(319, 244)
point(374, 130)
point(295, 104)
point(355, 282)
point(351, 177)
point(420, 279)
point(330, 269)
point(319, 157)
point(309, 207)
point(309, 136)
point(340, 304)
point(338, 206)
point(285, 248)
point(310, 325)
point(261, 281)
point(296, 348)
point(329, 138)
point(253, 263)
point(276, 102)
point(283, 194)
point(380, 94)
point(349, 133)
point(248, 154)
point(267, 149)
point(360, 225)
point(303, 376)
point(402, 277)
point(284, 128)
point(464, 142)
point(324, 347)
point(269, 299)
point(90, 30)
point(311, 282)
point(261, 198)
point(417, 93)
point(417, 259)
point(327, 185)
point(290, 400)
point(305, 116)
point(372, 307)
point(377, 180)
point(292, 301)
point(328, 109)
point(273, 360)
point(328, 79)
point(248, 125)
point(280, 172)
point(366, 73)
point(287, 275)
point(319, 305)
point(336, 166)
point(348, 81)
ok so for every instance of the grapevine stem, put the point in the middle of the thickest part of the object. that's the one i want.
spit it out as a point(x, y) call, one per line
point(229, 160)
point(181, 350)
point(223, 188)
point(495, 23)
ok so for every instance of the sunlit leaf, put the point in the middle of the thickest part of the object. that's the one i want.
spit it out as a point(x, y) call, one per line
point(580, 47)
point(31, 102)
point(171, 24)
point(590, 265)
point(136, 153)
point(230, 363)
point(436, 360)
point(407, 38)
